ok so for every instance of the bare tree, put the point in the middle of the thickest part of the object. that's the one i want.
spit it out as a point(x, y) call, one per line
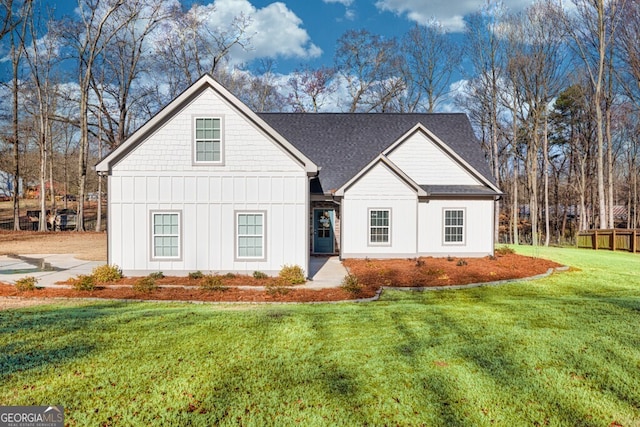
point(261, 92)
point(592, 28)
point(431, 58)
point(370, 66)
point(116, 84)
point(189, 46)
point(309, 88)
point(41, 57)
point(89, 38)
point(537, 71)
point(18, 30)
point(485, 49)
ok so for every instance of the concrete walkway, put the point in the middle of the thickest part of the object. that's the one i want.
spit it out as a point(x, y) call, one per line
point(324, 272)
point(47, 268)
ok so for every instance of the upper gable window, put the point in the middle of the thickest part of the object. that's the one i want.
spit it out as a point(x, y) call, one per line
point(208, 140)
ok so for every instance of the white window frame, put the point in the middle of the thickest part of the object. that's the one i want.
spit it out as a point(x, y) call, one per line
point(154, 235)
point(370, 227)
point(263, 236)
point(462, 226)
point(219, 140)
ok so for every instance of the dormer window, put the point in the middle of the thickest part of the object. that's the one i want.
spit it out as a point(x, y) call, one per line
point(208, 147)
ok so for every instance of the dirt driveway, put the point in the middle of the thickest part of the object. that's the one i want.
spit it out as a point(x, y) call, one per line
point(88, 246)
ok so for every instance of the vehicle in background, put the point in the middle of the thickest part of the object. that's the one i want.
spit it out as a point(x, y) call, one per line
point(62, 219)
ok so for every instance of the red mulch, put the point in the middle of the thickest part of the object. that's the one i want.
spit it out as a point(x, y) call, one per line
point(372, 274)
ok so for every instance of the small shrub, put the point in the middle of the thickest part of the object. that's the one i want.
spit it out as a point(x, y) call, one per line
point(434, 272)
point(196, 275)
point(277, 287)
point(157, 275)
point(26, 284)
point(461, 262)
point(260, 275)
point(145, 284)
point(351, 284)
point(84, 282)
point(213, 283)
point(106, 273)
point(450, 258)
point(230, 276)
point(292, 274)
point(504, 250)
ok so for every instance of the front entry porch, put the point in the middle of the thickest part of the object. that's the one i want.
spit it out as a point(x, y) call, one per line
point(325, 228)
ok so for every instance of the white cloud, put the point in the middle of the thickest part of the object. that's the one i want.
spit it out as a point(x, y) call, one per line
point(346, 3)
point(449, 13)
point(275, 29)
point(349, 13)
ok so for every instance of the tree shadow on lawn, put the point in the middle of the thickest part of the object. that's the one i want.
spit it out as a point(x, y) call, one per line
point(35, 337)
point(545, 383)
point(285, 376)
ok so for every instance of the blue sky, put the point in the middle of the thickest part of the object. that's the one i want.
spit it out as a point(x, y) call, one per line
point(295, 32)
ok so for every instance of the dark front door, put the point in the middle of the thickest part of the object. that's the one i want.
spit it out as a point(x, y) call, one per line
point(323, 231)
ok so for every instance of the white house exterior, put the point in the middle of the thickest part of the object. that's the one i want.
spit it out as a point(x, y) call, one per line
point(209, 185)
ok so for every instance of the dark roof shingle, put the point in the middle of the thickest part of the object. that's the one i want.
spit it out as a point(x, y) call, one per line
point(342, 144)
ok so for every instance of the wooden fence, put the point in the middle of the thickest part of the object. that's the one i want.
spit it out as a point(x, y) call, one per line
point(616, 239)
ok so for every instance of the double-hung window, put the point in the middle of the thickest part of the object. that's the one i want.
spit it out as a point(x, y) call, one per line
point(250, 235)
point(208, 140)
point(379, 226)
point(454, 226)
point(166, 235)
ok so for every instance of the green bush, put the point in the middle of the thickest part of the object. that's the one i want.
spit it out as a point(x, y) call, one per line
point(26, 284)
point(260, 275)
point(292, 274)
point(351, 284)
point(196, 275)
point(106, 273)
point(230, 276)
point(145, 284)
point(213, 283)
point(504, 250)
point(156, 275)
point(84, 282)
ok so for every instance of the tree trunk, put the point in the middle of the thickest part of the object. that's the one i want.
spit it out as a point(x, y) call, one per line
point(15, 56)
point(545, 149)
point(516, 215)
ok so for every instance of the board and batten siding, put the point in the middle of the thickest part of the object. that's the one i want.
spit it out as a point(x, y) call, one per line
point(427, 164)
point(255, 175)
point(379, 188)
point(478, 231)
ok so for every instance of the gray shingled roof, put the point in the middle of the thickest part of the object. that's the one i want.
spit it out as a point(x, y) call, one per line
point(344, 143)
point(456, 190)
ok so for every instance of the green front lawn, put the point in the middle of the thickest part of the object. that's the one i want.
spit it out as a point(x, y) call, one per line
point(564, 350)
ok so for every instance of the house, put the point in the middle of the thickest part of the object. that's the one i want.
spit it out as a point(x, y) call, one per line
point(207, 184)
point(7, 185)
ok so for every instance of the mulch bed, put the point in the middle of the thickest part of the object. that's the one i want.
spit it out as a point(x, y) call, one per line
point(371, 274)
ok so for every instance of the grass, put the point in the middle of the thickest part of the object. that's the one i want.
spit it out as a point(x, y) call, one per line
point(562, 351)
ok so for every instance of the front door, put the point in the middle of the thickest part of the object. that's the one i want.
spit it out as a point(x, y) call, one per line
point(323, 231)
